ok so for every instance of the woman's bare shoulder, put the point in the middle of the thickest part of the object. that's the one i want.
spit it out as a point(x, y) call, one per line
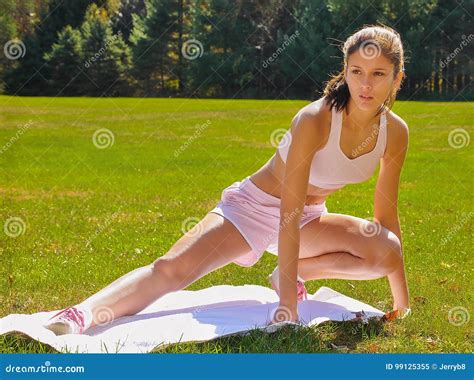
point(397, 133)
point(317, 114)
point(319, 108)
point(395, 121)
point(397, 128)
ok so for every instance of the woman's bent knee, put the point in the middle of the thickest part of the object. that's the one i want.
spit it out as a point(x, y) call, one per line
point(390, 259)
point(175, 276)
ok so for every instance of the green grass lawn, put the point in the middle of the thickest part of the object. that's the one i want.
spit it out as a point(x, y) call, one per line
point(91, 214)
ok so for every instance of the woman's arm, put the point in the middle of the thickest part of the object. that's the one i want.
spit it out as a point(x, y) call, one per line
point(386, 203)
point(306, 131)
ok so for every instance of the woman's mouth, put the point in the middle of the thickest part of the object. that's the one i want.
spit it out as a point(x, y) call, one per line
point(366, 98)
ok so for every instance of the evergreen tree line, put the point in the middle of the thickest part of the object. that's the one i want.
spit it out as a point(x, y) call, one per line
point(222, 48)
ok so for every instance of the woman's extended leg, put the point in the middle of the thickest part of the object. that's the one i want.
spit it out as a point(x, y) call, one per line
point(209, 245)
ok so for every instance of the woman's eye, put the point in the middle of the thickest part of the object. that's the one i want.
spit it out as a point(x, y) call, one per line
point(379, 74)
point(355, 71)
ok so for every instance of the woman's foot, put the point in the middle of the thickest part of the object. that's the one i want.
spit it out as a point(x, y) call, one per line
point(302, 294)
point(72, 320)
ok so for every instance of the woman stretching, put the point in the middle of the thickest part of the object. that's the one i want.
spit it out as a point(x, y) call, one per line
point(337, 140)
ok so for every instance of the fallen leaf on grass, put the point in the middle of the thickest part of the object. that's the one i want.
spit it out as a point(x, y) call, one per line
point(421, 299)
point(390, 316)
point(455, 288)
point(373, 348)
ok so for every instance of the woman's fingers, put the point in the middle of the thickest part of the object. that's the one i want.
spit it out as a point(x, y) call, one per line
point(396, 314)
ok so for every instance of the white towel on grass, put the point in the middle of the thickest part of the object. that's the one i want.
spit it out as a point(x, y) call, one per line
point(186, 316)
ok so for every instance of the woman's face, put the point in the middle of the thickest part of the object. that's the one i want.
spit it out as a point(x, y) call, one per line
point(370, 78)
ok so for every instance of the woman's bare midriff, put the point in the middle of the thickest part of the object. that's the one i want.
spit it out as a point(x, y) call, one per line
point(270, 176)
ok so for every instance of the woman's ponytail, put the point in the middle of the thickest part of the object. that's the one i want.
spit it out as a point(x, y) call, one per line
point(337, 92)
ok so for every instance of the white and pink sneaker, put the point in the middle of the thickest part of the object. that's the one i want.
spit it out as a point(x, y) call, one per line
point(71, 320)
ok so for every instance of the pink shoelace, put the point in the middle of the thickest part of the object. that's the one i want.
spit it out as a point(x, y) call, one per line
point(302, 293)
point(71, 314)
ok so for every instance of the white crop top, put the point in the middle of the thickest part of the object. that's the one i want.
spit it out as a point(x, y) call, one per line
point(331, 168)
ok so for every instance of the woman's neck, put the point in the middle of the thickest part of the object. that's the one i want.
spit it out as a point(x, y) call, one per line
point(355, 118)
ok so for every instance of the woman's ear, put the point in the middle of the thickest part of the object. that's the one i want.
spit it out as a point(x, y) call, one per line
point(398, 81)
point(344, 75)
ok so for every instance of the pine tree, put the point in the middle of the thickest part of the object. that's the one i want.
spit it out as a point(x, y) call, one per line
point(7, 33)
point(31, 75)
point(64, 62)
point(123, 19)
point(152, 40)
point(107, 58)
point(226, 64)
point(312, 51)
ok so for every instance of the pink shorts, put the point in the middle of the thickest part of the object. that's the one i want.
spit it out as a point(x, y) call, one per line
point(256, 214)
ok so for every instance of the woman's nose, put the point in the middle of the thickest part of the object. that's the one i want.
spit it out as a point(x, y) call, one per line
point(365, 84)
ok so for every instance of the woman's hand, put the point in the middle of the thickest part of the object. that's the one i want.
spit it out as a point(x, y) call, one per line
point(285, 314)
point(398, 312)
point(403, 311)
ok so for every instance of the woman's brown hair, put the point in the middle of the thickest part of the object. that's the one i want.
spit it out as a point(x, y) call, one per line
point(373, 40)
